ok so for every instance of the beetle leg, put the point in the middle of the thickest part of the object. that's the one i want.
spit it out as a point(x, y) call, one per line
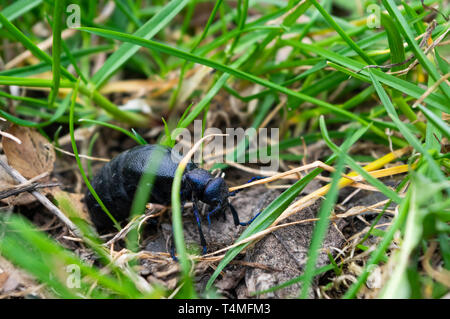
point(172, 252)
point(250, 221)
point(199, 225)
point(255, 178)
point(211, 213)
point(235, 214)
point(236, 217)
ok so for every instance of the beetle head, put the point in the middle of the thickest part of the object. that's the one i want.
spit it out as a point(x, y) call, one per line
point(210, 190)
point(216, 192)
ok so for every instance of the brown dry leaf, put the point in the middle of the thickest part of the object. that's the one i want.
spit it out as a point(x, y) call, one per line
point(7, 182)
point(33, 157)
point(3, 278)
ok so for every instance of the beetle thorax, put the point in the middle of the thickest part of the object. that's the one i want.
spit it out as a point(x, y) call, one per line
point(207, 188)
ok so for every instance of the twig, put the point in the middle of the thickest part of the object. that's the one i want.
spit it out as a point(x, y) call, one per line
point(10, 136)
point(430, 90)
point(24, 188)
point(416, 61)
point(44, 200)
point(100, 159)
point(137, 221)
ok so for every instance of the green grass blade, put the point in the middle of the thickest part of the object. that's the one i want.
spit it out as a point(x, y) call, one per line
point(27, 43)
point(235, 72)
point(114, 127)
point(147, 31)
point(56, 51)
point(434, 100)
point(352, 163)
point(342, 33)
point(409, 37)
point(187, 291)
point(33, 251)
point(77, 157)
point(173, 98)
point(403, 128)
point(18, 8)
point(436, 120)
point(212, 92)
point(321, 227)
point(42, 67)
point(128, 13)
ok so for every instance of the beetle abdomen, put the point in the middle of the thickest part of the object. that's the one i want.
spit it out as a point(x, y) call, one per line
point(117, 181)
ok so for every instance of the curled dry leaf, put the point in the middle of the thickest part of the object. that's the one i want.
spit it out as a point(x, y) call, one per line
point(7, 182)
point(34, 156)
point(3, 278)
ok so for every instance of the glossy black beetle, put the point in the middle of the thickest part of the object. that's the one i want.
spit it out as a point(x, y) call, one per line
point(117, 181)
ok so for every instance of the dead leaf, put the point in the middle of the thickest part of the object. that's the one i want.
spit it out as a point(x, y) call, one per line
point(7, 182)
point(3, 277)
point(33, 157)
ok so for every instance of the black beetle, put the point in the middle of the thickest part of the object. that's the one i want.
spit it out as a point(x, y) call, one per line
point(117, 181)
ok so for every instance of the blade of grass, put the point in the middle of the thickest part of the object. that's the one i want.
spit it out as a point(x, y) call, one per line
point(242, 9)
point(18, 8)
point(412, 140)
point(128, 13)
point(56, 51)
point(396, 286)
point(213, 92)
point(395, 41)
point(321, 226)
point(62, 108)
point(142, 196)
point(41, 256)
point(42, 67)
point(409, 37)
point(233, 71)
point(27, 43)
point(114, 127)
point(341, 32)
point(77, 157)
point(188, 289)
point(436, 120)
point(108, 106)
point(147, 31)
point(434, 100)
point(352, 163)
point(89, 91)
point(174, 96)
